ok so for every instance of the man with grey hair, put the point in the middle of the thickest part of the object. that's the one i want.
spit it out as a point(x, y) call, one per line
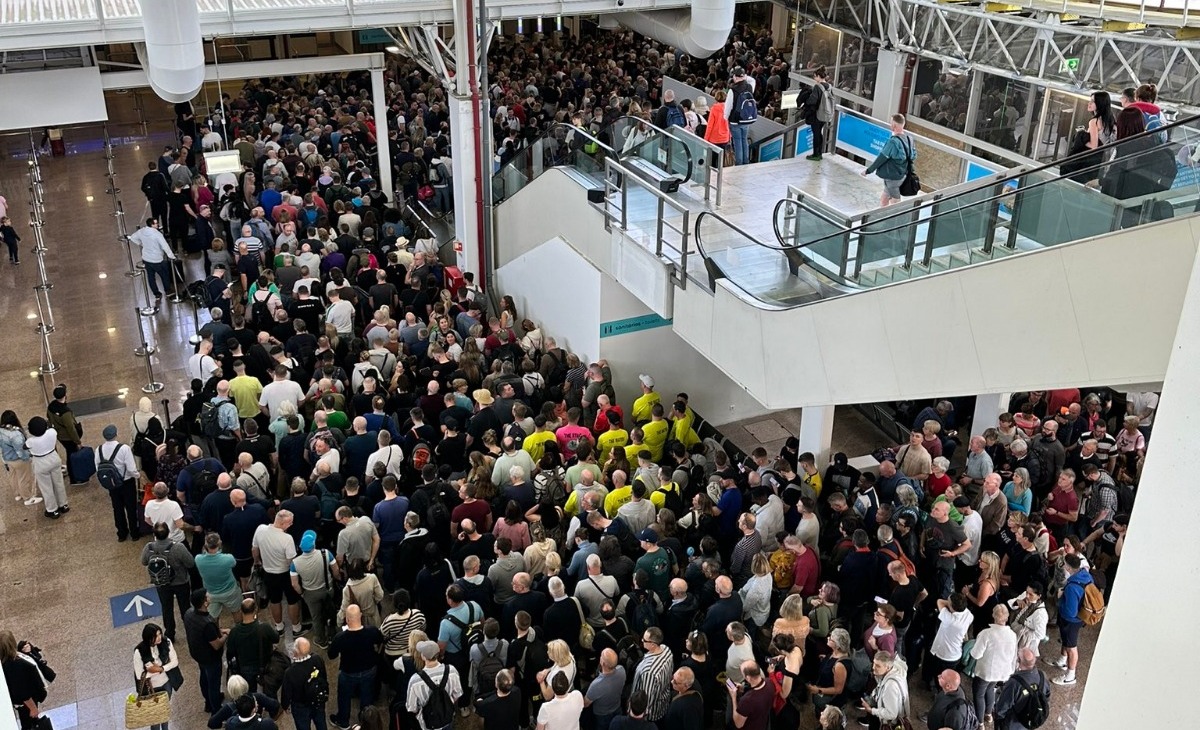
point(564, 617)
point(979, 465)
point(273, 550)
point(508, 564)
point(1023, 696)
point(164, 510)
point(595, 589)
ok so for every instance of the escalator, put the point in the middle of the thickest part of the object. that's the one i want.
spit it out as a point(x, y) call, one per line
point(645, 150)
point(1025, 279)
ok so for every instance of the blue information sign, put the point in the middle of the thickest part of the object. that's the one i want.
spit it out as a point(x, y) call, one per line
point(860, 137)
point(374, 37)
point(131, 608)
point(976, 171)
point(804, 142)
point(772, 150)
point(632, 324)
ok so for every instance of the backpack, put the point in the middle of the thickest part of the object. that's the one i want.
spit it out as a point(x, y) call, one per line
point(554, 491)
point(1091, 608)
point(109, 475)
point(472, 629)
point(316, 688)
point(437, 515)
point(629, 653)
point(641, 612)
point(826, 104)
point(672, 499)
point(488, 668)
point(746, 106)
point(970, 719)
point(783, 567)
point(438, 711)
point(408, 174)
point(860, 673)
point(1035, 710)
point(146, 442)
point(204, 483)
point(1046, 475)
point(558, 371)
point(1125, 496)
point(210, 420)
point(898, 554)
point(260, 313)
point(159, 568)
point(675, 116)
point(421, 455)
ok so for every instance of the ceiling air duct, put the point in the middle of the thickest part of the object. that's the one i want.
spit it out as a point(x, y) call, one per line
point(173, 54)
point(698, 32)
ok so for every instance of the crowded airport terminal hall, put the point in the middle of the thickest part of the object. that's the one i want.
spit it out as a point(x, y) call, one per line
point(599, 364)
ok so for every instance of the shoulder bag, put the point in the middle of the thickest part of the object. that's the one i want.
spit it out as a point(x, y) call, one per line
point(147, 707)
point(587, 634)
point(911, 184)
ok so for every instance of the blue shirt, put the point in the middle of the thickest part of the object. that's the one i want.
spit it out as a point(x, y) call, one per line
point(389, 517)
point(1022, 504)
point(12, 445)
point(450, 632)
point(730, 505)
point(227, 417)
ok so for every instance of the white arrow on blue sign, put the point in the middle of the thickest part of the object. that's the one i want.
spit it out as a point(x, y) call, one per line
point(129, 608)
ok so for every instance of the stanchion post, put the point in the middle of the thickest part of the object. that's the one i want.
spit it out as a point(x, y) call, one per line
point(176, 297)
point(166, 406)
point(41, 292)
point(195, 338)
point(145, 349)
point(152, 385)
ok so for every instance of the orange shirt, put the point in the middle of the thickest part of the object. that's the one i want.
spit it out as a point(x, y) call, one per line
point(717, 130)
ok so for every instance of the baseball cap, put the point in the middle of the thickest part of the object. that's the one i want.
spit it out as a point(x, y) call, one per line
point(428, 649)
point(308, 541)
point(646, 380)
point(648, 535)
point(109, 433)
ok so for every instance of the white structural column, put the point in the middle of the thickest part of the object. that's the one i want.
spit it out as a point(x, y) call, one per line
point(1143, 673)
point(466, 193)
point(379, 99)
point(816, 432)
point(987, 407)
point(889, 82)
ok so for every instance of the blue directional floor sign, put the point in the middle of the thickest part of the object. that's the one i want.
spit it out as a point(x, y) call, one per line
point(130, 608)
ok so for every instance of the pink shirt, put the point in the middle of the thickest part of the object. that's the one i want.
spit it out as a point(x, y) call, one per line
point(570, 438)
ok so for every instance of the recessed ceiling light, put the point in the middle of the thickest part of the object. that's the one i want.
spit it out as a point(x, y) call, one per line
point(111, 330)
point(31, 315)
point(103, 275)
point(89, 198)
point(393, 50)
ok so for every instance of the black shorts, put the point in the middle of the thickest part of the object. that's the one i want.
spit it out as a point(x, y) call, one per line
point(1068, 632)
point(242, 568)
point(279, 586)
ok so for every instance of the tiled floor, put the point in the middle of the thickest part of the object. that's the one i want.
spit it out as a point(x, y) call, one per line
point(57, 577)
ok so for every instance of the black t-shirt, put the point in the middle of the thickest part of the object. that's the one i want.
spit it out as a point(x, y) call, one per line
point(307, 310)
point(248, 265)
point(609, 636)
point(941, 536)
point(500, 713)
point(201, 629)
point(357, 649)
point(904, 599)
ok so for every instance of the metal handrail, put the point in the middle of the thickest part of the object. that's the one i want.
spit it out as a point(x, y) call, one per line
point(621, 154)
point(789, 128)
point(556, 126)
point(908, 212)
point(613, 170)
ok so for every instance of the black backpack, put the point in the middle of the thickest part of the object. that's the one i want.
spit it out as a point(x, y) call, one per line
point(145, 443)
point(970, 720)
point(210, 419)
point(472, 628)
point(438, 711)
point(260, 312)
point(159, 568)
point(1125, 496)
point(107, 472)
point(558, 372)
point(629, 653)
point(673, 500)
point(204, 483)
point(488, 668)
point(437, 515)
point(1034, 709)
point(641, 611)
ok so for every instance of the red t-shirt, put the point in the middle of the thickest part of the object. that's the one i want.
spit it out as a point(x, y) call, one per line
point(807, 573)
point(1062, 502)
point(479, 511)
point(937, 485)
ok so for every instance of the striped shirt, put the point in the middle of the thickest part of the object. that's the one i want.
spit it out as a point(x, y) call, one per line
point(1104, 444)
point(396, 631)
point(653, 676)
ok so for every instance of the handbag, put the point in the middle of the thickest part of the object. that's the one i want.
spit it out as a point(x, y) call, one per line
point(425, 192)
point(587, 634)
point(147, 707)
point(911, 184)
point(258, 584)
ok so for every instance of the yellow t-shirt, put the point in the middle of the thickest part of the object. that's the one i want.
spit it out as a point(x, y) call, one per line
point(684, 433)
point(244, 391)
point(609, 440)
point(615, 499)
point(813, 480)
point(643, 406)
point(535, 444)
point(654, 438)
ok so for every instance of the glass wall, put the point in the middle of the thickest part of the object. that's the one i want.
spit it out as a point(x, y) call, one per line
point(1062, 114)
point(940, 98)
point(819, 46)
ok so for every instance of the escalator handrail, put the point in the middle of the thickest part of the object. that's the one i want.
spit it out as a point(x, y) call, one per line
point(691, 162)
point(725, 222)
point(568, 128)
point(910, 211)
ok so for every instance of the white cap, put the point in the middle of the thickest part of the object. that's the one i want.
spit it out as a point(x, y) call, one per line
point(646, 380)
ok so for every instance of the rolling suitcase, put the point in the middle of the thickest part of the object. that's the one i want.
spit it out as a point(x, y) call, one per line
point(82, 465)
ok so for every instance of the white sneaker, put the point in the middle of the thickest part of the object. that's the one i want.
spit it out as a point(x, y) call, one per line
point(1065, 681)
point(278, 628)
point(33, 500)
point(1059, 663)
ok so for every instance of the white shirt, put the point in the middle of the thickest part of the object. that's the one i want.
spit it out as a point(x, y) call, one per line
point(122, 458)
point(418, 690)
point(278, 391)
point(995, 653)
point(1141, 402)
point(948, 642)
point(341, 315)
point(275, 548)
point(770, 521)
point(165, 510)
point(972, 525)
point(334, 459)
point(201, 367)
point(392, 457)
point(154, 246)
point(809, 531)
point(561, 713)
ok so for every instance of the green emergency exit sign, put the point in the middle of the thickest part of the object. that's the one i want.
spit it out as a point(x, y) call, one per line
point(1070, 65)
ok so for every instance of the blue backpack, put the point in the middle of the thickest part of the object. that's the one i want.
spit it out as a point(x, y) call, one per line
point(747, 107)
point(675, 116)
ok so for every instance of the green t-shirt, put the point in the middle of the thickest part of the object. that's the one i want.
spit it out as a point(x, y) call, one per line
point(658, 565)
point(216, 572)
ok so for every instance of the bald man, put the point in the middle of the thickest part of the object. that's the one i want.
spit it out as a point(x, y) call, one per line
point(1012, 703)
point(307, 668)
point(358, 647)
point(951, 708)
point(604, 693)
point(359, 447)
point(237, 533)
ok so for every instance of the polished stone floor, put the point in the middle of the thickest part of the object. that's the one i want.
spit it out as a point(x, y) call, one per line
point(57, 577)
